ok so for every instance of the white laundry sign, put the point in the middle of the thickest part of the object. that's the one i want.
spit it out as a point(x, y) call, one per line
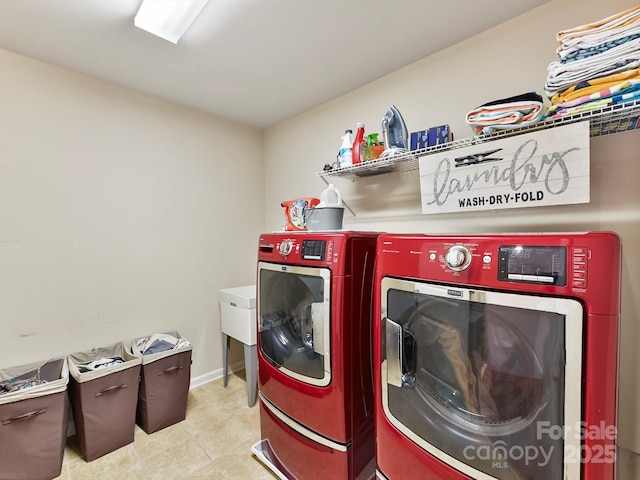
point(546, 167)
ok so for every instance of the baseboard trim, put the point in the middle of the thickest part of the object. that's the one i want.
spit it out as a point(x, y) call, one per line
point(214, 375)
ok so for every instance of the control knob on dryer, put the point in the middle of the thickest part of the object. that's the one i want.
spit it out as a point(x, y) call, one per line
point(285, 247)
point(458, 258)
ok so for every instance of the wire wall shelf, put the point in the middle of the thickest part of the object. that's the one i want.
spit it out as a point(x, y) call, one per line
point(604, 121)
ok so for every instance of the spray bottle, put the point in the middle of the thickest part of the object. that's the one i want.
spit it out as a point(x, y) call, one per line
point(359, 145)
point(375, 147)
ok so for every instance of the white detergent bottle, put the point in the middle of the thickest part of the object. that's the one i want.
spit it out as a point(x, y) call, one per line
point(330, 197)
point(345, 153)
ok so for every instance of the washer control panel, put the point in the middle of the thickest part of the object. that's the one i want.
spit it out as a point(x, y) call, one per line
point(286, 246)
point(458, 258)
point(584, 265)
point(308, 249)
point(547, 265)
point(519, 263)
point(314, 249)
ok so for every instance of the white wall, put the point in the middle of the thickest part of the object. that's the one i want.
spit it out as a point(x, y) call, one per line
point(121, 215)
point(504, 61)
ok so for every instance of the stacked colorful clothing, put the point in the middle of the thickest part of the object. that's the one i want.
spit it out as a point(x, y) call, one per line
point(15, 384)
point(506, 113)
point(599, 65)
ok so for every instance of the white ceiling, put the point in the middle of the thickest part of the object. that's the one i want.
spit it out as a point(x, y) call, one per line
point(257, 62)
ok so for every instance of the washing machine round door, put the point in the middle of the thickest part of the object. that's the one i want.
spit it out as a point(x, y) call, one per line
point(477, 381)
point(477, 371)
point(293, 321)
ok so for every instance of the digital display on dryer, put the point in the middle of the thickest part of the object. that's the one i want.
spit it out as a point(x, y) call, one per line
point(547, 265)
point(313, 249)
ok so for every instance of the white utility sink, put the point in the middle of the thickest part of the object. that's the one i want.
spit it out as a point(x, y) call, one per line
point(238, 320)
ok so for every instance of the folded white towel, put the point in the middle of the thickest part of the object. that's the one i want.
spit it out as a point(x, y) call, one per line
point(602, 28)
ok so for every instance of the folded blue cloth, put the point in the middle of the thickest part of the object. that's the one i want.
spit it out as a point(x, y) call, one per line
point(158, 346)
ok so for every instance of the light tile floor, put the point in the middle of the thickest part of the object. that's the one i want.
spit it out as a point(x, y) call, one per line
point(213, 442)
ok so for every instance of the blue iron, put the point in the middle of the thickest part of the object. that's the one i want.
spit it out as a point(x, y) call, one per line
point(394, 132)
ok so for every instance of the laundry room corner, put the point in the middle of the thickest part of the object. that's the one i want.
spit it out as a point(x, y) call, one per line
point(440, 89)
point(120, 213)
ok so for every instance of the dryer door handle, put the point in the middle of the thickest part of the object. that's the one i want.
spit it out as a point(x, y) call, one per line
point(400, 354)
point(319, 326)
point(393, 354)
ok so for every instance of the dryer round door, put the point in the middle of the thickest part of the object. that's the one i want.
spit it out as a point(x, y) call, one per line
point(479, 378)
point(293, 321)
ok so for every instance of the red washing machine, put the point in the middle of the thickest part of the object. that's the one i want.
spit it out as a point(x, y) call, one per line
point(496, 356)
point(315, 371)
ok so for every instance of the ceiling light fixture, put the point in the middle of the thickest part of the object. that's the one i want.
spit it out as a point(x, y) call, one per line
point(168, 19)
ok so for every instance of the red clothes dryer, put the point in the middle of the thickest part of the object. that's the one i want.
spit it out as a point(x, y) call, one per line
point(315, 372)
point(496, 356)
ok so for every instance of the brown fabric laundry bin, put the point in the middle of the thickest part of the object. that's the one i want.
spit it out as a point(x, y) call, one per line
point(164, 385)
point(103, 401)
point(34, 420)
